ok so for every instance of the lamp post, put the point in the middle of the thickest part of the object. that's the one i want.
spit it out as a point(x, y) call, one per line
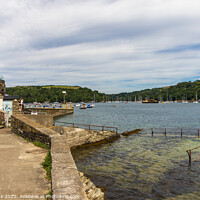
point(64, 93)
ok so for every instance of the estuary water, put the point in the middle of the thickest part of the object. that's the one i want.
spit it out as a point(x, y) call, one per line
point(141, 166)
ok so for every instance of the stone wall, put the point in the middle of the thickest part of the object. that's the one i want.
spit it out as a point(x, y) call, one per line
point(66, 182)
point(1, 102)
point(15, 107)
point(44, 119)
point(92, 192)
point(1, 117)
point(55, 112)
point(2, 87)
point(27, 128)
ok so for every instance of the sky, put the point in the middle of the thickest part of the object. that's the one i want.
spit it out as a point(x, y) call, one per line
point(107, 45)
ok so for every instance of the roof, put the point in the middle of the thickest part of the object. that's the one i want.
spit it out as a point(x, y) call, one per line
point(10, 97)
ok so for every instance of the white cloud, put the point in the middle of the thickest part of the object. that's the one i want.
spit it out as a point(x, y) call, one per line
point(112, 46)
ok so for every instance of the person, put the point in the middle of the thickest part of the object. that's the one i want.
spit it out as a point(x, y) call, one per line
point(20, 106)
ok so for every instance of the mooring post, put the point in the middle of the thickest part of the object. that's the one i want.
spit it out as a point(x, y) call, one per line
point(165, 131)
point(152, 131)
point(73, 124)
point(102, 128)
point(181, 132)
point(198, 132)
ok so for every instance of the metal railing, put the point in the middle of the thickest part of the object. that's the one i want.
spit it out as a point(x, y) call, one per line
point(89, 126)
point(189, 151)
point(181, 131)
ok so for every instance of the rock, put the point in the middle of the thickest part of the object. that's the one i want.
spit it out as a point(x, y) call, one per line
point(80, 137)
point(92, 192)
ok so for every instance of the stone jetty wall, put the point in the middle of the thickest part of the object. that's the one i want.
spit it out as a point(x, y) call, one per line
point(54, 112)
point(44, 119)
point(66, 182)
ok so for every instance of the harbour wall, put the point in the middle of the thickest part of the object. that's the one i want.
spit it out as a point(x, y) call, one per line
point(54, 112)
point(66, 182)
point(45, 116)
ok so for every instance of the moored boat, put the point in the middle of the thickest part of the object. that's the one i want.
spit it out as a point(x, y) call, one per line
point(83, 106)
point(150, 101)
point(91, 106)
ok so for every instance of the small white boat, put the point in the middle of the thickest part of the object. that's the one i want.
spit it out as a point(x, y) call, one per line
point(77, 105)
point(91, 106)
point(83, 106)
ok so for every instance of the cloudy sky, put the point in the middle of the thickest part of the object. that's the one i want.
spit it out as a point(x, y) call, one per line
point(107, 45)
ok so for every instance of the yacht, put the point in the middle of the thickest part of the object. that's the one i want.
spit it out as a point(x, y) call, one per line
point(196, 99)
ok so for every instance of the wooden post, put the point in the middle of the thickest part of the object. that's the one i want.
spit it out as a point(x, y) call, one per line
point(181, 132)
point(165, 131)
point(89, 127)
point(190, 156)
point(102, 128)
point(198, 132)
point(73, 124)
point(152, 132)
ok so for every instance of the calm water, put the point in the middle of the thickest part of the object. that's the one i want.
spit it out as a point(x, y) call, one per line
point(132, 116)
point(141, 166)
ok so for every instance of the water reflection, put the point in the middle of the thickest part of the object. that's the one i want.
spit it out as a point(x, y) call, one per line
point(143, 167)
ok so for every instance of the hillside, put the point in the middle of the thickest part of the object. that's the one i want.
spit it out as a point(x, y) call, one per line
point(181, 91)
point(54, 93)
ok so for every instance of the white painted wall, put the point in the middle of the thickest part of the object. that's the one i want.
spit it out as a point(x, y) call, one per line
point(1, 103)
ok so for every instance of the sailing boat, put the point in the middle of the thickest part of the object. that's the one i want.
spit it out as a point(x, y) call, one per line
point(196, 99)
point(185, 99)
point(168, 99)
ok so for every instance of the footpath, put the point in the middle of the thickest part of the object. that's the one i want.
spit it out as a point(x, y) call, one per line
point(21, 173)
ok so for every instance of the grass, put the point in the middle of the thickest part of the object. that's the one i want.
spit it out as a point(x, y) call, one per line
point(47, 165)
point(27, 139)
point(40, 144)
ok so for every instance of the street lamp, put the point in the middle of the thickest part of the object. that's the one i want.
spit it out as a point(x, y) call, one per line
point(64, 92)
